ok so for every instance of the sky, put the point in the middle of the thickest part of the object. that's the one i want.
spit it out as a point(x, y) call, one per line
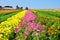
point(32, 4)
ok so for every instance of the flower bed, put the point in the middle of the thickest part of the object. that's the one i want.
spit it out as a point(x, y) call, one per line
point(6, 27)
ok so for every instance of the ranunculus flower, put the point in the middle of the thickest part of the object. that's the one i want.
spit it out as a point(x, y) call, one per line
point(38, 30)
point(17, 29)
point(34, 33)
point(33, 25)
point(26, 33)
point(44, 31)
point(41, 26)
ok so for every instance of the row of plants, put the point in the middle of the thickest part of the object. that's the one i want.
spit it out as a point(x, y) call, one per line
point(56, 14)
point(7, 27)
point(4, 17)
point(2, 14)
point(52, 25)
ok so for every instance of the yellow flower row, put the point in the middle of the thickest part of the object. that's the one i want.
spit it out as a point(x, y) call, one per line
point(7, 26)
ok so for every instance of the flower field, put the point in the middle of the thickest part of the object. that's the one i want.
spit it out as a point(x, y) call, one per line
point(30, 25)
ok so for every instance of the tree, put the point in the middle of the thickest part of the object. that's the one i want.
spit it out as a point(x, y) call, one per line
point(0, 7)
point(17, 7)
point(26, 8)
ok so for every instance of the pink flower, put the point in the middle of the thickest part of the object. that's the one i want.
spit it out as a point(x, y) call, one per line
point(38, 30)
point(33, 25)
point(44, 31)
point(17, 29)
point(34, 33)
point(28, 28)
point(26, 33)
point(41, 26)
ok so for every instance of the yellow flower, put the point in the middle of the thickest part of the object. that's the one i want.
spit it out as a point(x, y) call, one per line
point(51, 30)
point(1, 35)
point(55, 18)
point(4, 39)
point(7, 31)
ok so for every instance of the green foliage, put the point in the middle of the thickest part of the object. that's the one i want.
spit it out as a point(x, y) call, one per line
point(22, 30)
point(35, 38)
point(4, 17)
point(29, 37)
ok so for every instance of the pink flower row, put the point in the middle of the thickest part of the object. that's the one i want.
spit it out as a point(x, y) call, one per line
point(29, 24)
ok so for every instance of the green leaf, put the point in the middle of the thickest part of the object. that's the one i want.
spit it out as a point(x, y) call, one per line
point(36, 38)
